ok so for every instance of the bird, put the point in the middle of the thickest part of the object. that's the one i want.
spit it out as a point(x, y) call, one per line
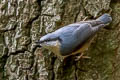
point(73, 38)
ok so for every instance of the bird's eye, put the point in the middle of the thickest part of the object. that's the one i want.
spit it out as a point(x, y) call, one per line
point(59, 39)
point(48, 39)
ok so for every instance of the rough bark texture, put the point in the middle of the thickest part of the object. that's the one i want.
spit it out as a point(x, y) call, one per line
point(22, 22)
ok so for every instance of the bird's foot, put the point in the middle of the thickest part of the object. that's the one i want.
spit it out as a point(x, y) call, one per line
point(81, 56)
point(84, 57)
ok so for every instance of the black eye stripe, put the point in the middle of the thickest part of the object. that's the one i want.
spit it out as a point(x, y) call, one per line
point(59, 39)
point(47, 40)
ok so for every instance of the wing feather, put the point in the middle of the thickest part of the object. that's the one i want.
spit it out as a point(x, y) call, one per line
point(73, 40)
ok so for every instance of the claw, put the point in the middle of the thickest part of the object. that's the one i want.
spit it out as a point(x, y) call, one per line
point(81, 56)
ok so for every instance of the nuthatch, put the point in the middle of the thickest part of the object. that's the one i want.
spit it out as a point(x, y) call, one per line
point(74, 38)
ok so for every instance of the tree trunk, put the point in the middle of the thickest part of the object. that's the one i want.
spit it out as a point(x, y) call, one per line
point(22, 22)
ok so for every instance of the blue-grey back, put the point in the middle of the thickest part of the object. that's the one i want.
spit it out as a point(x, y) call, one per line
point(71, 39)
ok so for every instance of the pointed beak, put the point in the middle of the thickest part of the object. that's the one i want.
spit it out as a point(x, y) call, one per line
point(37, 43)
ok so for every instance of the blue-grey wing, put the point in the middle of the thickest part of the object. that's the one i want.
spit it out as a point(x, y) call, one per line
point(66, 37)
point(83, 32)
point(76, 38)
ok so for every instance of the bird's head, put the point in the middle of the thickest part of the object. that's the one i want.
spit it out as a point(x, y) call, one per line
point(48, 41)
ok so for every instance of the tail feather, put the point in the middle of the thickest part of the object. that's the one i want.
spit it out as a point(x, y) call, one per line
point(105, 18)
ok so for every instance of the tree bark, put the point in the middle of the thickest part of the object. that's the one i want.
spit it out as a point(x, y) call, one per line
point(22, 22)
